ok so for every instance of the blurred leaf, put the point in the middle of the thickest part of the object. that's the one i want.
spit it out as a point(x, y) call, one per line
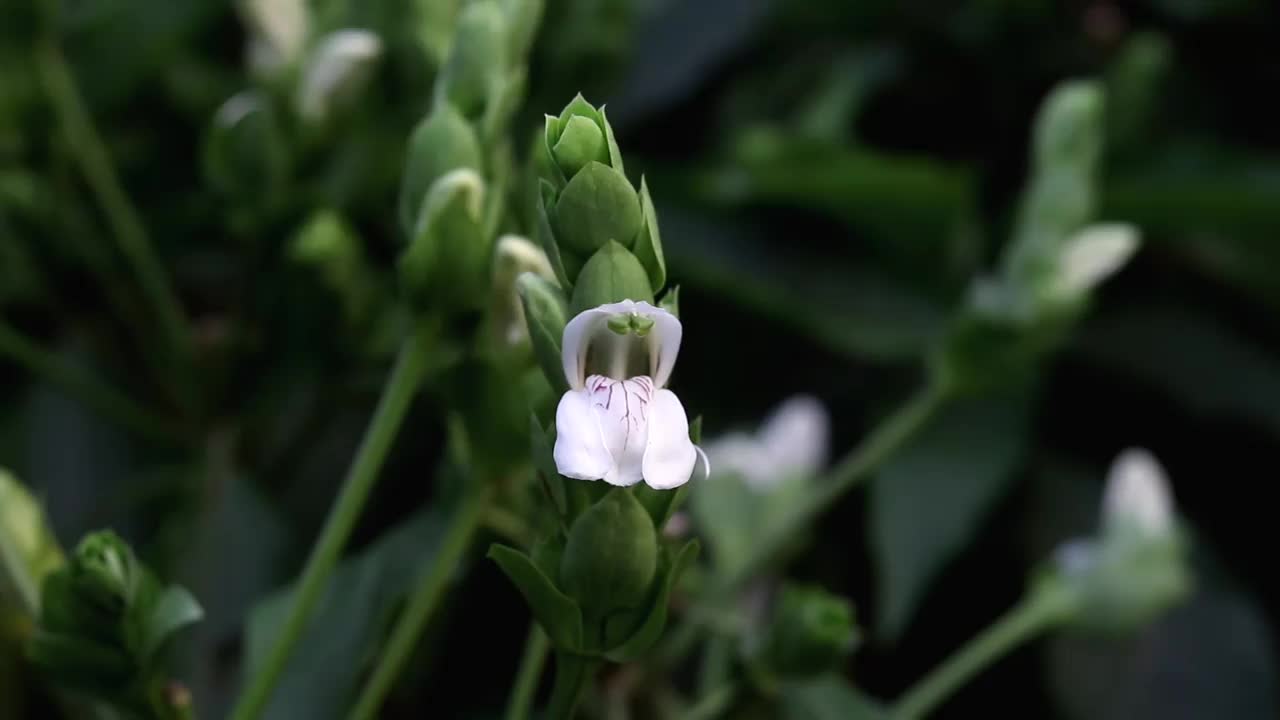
point(849, 309)
point(28, 550)
point(830, 697)
point(174, 609)
point(347, 624)
point(1209, 658)
point(931, 498)
point(1190, 355)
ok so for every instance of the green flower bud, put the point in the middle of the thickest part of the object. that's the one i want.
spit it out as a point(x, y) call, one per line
point(330, 246)
point(477, 58)
point(244, 150)
point(812, 632)
point(545, 313)
point(104, 567)
point(442, 142)
point(524, 17)
point(581, 142)
point(336, 72)
point(612, 275)
point(598, 205)
point(447, 262)
point(512, 257)
point(28, 550)
point(611, 555)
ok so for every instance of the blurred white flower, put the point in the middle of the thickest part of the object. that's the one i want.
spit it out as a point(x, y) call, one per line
point(1091, 256)
point(792, 442)
point(336, 71)
point(1137, 493)
point(279, 31)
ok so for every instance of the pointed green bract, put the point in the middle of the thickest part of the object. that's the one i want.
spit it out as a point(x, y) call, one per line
point(581, 142)
point(558, 615)
point(545, 312)
point(477, 58)
point(648, 247)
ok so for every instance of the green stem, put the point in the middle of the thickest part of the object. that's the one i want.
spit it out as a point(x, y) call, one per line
point(713, 704)
point(573, 674)
point(397, 395)
point(526, 685)
point(83, 385)
point(126, 224)
point(886, 439)
point(1037, 612)
point(425, 598)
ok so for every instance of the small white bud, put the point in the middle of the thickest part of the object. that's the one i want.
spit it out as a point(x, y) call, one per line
point(336, 71)
point(1137, 493)
point(1091, 256)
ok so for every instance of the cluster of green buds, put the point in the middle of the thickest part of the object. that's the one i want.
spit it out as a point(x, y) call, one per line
point(614, 472)
point(1056, 257)
point(453, 192)
point(104, 619)
point(1136, 567)
point(812, 632)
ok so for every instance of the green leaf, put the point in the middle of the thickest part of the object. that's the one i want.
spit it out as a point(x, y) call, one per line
point(650, 628)
point(352, 614)
point(615, 154)
point(555, 611)
point(547, 238)
point(930, 499)
point(28, 550)
point(648, 249)
point(830, 697)
point(545, 312)
point(173, 610)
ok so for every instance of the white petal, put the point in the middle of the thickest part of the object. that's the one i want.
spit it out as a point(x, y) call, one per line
point(670, 456)
point(664, 341)
point(623, 410)
point(577, 334)
point(580, 451)
point(794, 438)
point(1138, 492)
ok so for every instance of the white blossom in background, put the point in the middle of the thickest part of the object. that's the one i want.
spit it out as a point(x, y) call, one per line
point(792, 442)
point(618, 422)
point(1091, 256)
point(336, 71)
point(514, 255)
point(1137, 493)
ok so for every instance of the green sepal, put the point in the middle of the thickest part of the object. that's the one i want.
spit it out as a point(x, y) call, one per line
point(545, 163)
point(598, 205)
point(612, 275)
point(82, 663)
point(545, 313)
point(173, 610)
point(544, 462)
point(547, 238)
point(558, 614)
point(442, 141)
point(671, 301)
point(245, 153)
point(648, 247)
point(611, 555)
point(639, 633)
point(581, 141)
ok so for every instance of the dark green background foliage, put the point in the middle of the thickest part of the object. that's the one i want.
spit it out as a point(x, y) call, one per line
point(830, 175)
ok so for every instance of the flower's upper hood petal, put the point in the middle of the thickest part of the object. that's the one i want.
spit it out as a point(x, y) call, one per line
point(664, 344)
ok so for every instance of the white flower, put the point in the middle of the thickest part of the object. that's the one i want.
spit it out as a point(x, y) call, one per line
point(1137, 493)
point(618, 422)
point(514, 255)
point(792, 442)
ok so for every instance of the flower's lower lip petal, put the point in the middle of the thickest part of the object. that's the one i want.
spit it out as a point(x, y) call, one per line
point(670, 455)
point(580, 452)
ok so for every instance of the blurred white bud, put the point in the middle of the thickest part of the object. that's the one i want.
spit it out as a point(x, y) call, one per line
point(1091, 256)
point(279, 31)
point(792, 442)
point(337, 70)
point(513, 256)
point(1137, 493)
